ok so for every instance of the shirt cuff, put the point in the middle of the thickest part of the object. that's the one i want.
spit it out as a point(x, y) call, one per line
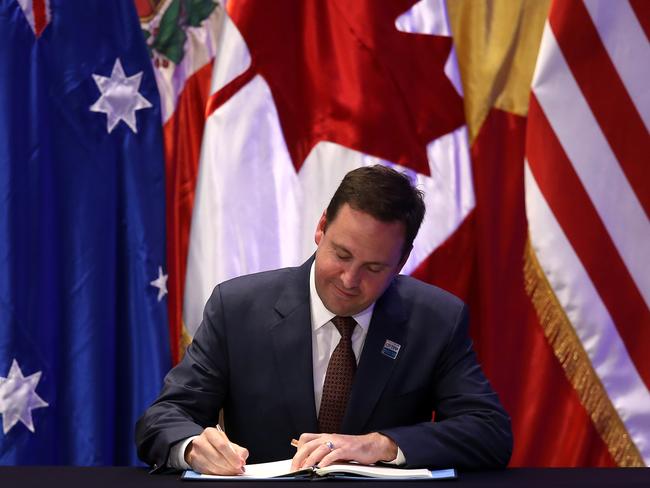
point(399, 460)
point(176, 458)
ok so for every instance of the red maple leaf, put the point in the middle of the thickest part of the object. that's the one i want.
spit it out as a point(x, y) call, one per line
point(340, 71)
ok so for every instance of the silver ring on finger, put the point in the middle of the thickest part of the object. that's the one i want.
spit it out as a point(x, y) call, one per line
point(330, 445)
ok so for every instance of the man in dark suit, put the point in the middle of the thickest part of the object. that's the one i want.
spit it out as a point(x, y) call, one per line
point(272, 354)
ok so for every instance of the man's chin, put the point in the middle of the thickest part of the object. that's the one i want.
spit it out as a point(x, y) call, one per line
point(343, 309)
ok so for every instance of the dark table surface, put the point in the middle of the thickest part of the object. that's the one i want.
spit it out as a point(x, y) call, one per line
point(117, 477)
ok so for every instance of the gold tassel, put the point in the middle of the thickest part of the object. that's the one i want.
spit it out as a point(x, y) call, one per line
point(578, 368)
point(185, 341)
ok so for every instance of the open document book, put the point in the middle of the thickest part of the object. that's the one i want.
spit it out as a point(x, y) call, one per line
point(282, 469)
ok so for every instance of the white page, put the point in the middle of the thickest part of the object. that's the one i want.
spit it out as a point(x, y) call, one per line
point(375, 471)
point(281, 468)
point(261, 470)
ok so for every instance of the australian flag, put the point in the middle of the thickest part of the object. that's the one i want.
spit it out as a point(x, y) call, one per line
point(83, 322)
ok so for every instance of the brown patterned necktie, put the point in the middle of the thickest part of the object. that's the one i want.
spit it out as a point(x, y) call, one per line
point(338, 379)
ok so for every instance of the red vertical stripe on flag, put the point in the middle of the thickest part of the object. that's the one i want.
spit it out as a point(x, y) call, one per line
point(605, 93)
point(40, 17)
point(642, 10)
point(589, 238)
point(182, 137)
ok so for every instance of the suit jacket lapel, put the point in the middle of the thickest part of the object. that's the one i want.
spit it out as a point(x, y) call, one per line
point(291, 342)
point(374, 370)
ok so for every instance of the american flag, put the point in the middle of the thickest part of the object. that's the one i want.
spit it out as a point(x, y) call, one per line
point(587, 176)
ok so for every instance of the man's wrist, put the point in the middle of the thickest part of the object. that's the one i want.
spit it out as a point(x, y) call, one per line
point(393, 453)
point(177, 452)
point(387, 448)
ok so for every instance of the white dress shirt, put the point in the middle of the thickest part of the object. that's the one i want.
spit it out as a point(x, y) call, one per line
point(324, 339)
point(325, 336)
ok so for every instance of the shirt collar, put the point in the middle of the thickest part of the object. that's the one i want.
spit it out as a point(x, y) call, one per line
point(319, 313)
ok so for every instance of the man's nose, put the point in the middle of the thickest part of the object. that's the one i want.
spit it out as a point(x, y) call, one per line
point(350, 277)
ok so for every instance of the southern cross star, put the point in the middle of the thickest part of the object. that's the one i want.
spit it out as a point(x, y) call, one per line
point(160, 283)
point(120, 97)
point(18, 398)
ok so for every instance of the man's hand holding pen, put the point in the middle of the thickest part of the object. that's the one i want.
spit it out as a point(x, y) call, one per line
point(213, 453)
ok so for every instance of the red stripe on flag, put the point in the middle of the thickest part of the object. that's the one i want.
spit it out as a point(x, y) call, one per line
point(40, 17)
point(588, 236)
point(642, 11)
point(605, 93)
point(221, 96)
point(182, 136)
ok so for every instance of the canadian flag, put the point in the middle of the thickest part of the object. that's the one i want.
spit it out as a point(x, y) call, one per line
point(303, 93)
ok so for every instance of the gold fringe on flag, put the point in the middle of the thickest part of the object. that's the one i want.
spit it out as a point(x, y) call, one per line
point(576, 364)
point(185, 341)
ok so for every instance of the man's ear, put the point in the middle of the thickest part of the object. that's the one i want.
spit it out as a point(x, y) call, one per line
point(320, 228)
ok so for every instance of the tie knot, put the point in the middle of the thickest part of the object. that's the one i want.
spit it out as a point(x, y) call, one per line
point(345, 326)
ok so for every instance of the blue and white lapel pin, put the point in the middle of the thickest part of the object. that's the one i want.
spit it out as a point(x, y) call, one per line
point(390, 349)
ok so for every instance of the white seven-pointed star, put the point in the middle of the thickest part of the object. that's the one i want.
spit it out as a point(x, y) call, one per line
point(120, 97)
point(160, 283)
point(18, 398)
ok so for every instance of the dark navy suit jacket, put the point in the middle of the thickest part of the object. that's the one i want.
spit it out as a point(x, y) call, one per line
point(252, 357)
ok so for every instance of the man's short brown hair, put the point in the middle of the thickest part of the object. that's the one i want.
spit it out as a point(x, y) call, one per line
point(383, 193)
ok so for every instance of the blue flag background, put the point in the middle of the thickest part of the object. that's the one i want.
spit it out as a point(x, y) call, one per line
point(82, 236)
